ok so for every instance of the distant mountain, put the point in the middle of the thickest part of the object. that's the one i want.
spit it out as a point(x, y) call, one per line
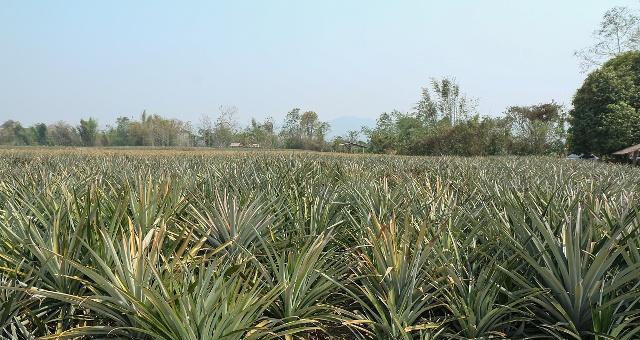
point(340, 125)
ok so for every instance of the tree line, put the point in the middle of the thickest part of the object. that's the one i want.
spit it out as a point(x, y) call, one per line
point(444, 122)
point(302, 130)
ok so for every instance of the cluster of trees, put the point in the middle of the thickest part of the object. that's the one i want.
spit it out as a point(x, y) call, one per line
point(300, 131)
point(444, 121)
point(303, 131)
point(60, 133)
point(151, 130)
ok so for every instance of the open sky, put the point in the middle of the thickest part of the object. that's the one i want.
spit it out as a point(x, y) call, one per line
point(63, 60)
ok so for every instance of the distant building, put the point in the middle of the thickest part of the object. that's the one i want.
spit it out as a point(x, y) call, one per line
point(235, 145)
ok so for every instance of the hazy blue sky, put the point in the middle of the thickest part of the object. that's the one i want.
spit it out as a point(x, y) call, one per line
point(72, 59)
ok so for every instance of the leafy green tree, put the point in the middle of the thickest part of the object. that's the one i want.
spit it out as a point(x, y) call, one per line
point(121, 134)
point(411, 132)
point(148, 132)
point(12, 133)
point(337, 143)
point(259, 133)
point(308, 124)
point(303, 131)
point(444, 100)
point(63, 134)
point(154, 130)
point(604, 115)
point(623, 122)
point(88, 130)
point(537, 129)
point(382, 138)
point(497, 138)
point(313, 131)
point(40, 132)
point(291, 132)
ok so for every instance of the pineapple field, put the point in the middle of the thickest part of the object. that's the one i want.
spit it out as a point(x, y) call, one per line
point(170, 244)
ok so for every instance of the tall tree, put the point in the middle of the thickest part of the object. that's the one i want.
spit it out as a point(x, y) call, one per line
point(225, 126)
point(304, 131)
point(320, 131)
point(40, 132)
point(619, 32)
point(259, 133)
point(88, 130)
point(12, 133)
point(63, 134)
point(444, 100)
point(607, 103)
point(308, 124)
point(122, 134)
point(382, 138)
point(205, 131)
point(537, 129)
point(291, 131)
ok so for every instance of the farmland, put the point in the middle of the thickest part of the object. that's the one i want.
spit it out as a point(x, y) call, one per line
point(170, 244)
